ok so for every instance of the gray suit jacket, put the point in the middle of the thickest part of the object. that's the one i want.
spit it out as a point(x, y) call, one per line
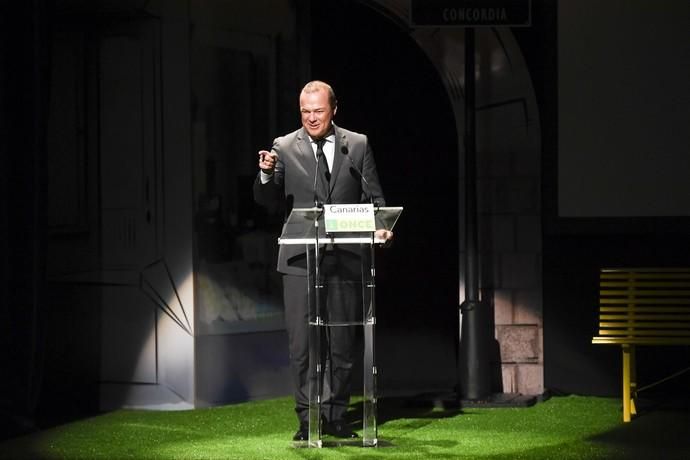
point(293, 182)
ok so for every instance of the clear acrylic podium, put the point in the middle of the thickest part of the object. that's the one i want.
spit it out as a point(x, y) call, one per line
point(304, 226)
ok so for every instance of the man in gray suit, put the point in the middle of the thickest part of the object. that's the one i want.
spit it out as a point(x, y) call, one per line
point(346, 174)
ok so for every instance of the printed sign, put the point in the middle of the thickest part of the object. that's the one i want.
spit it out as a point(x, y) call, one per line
point(470, 13)
point(349, 218)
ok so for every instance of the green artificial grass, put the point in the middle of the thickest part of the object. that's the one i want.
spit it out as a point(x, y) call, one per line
point(570, 427)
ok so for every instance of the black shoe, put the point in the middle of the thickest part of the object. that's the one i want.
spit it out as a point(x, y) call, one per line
point(339, 429)
point(303, 433)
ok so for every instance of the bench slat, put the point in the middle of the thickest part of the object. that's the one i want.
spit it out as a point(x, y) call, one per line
point(644, 284)
point(643, 292)
point(643, 321)
point(641, 325)
point(641, 340)
point(646, 276)
point(650, 309)
point(645, 269)
point(645, 333)
point(644, 301)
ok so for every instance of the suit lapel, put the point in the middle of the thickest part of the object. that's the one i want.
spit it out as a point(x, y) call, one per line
point(306, 153)
point(340, 142)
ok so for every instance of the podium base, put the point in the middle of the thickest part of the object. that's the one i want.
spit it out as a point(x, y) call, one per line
point(358, 442)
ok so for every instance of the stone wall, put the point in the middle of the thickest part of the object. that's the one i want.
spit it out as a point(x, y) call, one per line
point(509, 206)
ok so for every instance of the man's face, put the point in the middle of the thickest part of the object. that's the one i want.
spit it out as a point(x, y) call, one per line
point(317, 112)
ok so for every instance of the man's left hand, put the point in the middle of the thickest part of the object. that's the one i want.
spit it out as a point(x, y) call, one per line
point(385, 235)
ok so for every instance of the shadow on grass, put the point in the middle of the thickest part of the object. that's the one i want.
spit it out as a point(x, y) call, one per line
point(422, 410)
point(661, 429)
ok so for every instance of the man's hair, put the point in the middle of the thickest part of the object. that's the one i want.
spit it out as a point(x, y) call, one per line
point(317, 85)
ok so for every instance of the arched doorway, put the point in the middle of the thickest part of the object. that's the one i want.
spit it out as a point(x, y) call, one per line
point(404, 86)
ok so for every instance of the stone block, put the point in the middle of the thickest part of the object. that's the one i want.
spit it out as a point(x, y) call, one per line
point(495, 163)
point(528, 233)
point(526, 142)
point(519, 343)
point(530, 379)
point(527, 162)
point(489, 270)
point(503, 306)
point(497, 233)
point(528, 306)
point(517, 195)
point(520, 270)
point(486, 195)
point(509, 374)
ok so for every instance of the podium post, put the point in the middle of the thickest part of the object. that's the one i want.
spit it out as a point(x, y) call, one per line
point(306, 227)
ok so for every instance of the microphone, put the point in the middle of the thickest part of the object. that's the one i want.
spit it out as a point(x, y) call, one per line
point(346, 152)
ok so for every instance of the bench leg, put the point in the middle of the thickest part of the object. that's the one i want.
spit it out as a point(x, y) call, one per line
point(628, 381)
point(633, 380)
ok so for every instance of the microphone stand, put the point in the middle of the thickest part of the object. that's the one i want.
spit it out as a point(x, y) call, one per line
point(317, 203)
point(367, 189)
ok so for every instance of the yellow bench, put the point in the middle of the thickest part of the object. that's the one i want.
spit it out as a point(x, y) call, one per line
point(642, 306)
